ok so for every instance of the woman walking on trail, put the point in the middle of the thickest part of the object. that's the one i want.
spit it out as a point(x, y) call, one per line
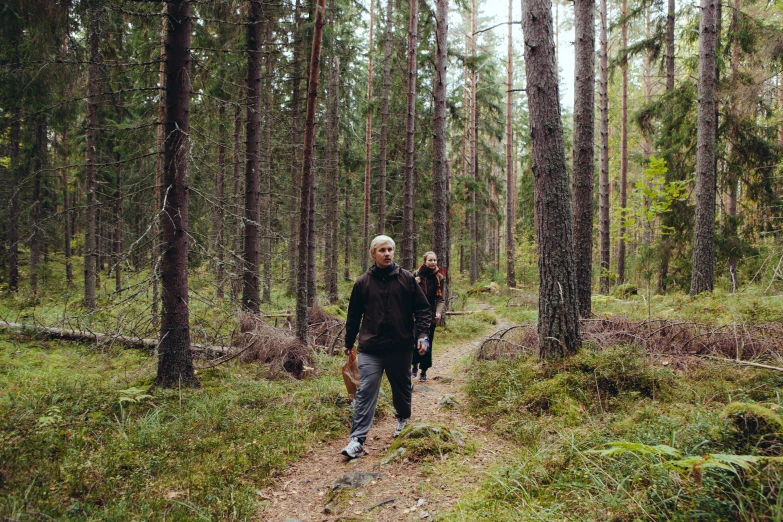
point(433, 283)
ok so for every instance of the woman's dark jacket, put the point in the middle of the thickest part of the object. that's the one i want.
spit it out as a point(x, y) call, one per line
point(384, 303)
point(429, 285)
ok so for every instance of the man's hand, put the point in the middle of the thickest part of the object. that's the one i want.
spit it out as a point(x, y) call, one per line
point(347, 351)
point(423, 345)
point(437, 316)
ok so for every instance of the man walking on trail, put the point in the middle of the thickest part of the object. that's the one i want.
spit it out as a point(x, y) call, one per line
point(384, 301)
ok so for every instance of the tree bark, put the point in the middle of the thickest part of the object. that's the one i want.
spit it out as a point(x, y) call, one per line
point(473, 160)
point(382, 143)
point(603, 183)
point(39, 149)
point(368, 145)
point(175, 364)
point(251, 297)
point(333, 204)
point(440, 171)
point(93, 91)
point(117, 250)
point(158, 197)
point(13, 204)
point(703, 267)
point(623, 146)
point(220, 197)
point(558, 318)
point(239, 223)
point(307, 166)
point(67, 214)
point(266, 201)
point(332, 161)
point(312, 297)
point(410, 128)
point(511, 180)
point(474, 174)
point(296, 154)
point(732, 173)
point(584, 124)
point(347, 230)
point(666, 249)
point(670, 46)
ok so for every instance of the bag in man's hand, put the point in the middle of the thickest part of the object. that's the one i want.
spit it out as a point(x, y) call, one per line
point(351, 374)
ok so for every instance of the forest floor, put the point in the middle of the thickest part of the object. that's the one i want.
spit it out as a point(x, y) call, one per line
point(407, 489)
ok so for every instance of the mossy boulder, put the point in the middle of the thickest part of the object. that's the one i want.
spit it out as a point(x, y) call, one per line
point(423, 441)
point(625, 290)
point(754, 429)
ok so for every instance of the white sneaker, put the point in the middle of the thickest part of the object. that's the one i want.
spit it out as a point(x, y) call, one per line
point(354, 449)
point(401, 423)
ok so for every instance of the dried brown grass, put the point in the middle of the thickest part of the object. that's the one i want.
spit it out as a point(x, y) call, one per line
point(325, 332)
point(277, 347)
point(744, 342)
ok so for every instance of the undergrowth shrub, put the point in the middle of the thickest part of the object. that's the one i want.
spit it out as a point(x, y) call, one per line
point(591, 381)
point(558, 413)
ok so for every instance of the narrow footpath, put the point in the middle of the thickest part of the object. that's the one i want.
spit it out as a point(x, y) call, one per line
point(403, 489)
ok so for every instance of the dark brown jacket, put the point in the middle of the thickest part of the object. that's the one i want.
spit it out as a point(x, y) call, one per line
point(385, 307)
point(430, 287)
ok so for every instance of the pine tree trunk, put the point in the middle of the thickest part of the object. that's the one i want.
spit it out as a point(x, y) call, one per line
point(347, 230)
point(67, 216)
point(117, 250)
point(410, 128)
point(584, 122)
point(296, 153)
point(440, 171)
point(733, 175)
point(312, 297)
point(158, 197)
point(39, 149)
point(307, 165)
point(703, 267)
point(603, 183)
point(238, 204)
point(175, 364)
point(511, 180)
point(670, 46)
point(251, 297)
point(558, 318)
point(220, 197)
point(623, 146)
point(382, 143)
point(473, 257)
point(665, 250)
point(266, 201)
point(92, 159)
point(368, 145)
point(13, 204)
point(332, 162)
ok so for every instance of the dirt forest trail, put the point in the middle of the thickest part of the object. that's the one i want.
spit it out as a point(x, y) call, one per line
point(406, 490)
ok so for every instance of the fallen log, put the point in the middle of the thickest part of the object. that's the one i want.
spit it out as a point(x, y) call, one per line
point(460, 313)
point(103, 338)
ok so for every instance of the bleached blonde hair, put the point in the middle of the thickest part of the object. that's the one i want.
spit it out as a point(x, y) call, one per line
point(378, 241)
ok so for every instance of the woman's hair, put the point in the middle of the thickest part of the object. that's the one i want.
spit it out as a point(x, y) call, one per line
point(379, 240)
point(428, 254)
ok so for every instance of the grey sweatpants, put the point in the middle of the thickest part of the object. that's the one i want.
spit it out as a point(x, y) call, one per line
point(371, 367)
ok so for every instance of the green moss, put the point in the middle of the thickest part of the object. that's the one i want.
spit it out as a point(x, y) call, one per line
point(426, 441)
point(753, 428)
